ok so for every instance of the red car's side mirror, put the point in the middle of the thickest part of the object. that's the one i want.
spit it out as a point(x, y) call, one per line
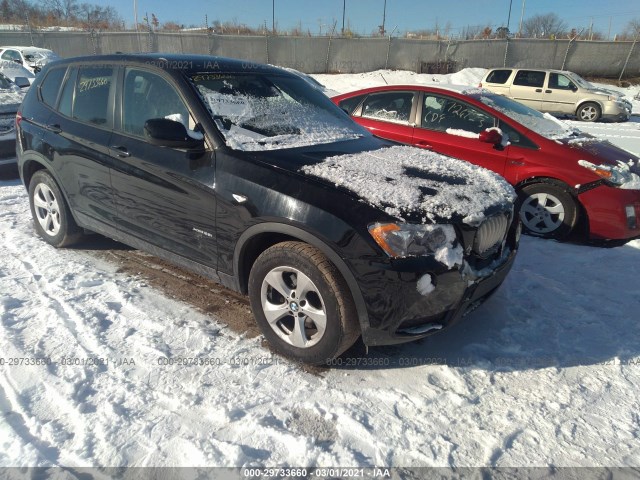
point(490, 136)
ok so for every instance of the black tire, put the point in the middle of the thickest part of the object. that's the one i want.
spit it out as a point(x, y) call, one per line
point(292, 265)
point(547, 210)
point(589, 112)
point(51, 215)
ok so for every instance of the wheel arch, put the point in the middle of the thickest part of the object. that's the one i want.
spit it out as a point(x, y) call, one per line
point(257, 238)
point(590, 100)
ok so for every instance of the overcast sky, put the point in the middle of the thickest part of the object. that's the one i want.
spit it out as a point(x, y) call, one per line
point(365, 15)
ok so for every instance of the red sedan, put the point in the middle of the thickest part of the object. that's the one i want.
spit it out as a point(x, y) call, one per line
point(563, 177)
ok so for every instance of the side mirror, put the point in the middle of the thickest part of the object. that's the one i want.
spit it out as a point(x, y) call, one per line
point(574, 88)
point(22, 82)
point(490, 136)
point(17, 60)
point(169, 133)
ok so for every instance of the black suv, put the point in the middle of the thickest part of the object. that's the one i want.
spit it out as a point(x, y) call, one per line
point(249, 175)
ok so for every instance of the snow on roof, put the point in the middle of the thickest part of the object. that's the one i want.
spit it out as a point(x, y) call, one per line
point(405, 180)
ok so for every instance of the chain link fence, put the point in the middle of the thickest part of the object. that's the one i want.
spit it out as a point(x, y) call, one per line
point(354, 55)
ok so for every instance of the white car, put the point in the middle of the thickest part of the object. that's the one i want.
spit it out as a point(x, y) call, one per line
point(31, 58)
point(14, 72)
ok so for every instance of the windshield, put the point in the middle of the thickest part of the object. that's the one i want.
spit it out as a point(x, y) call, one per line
point(543, 124)
point(270, 111)
point(578, 79)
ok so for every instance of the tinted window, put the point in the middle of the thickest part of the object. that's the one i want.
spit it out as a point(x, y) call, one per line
point(516, 138)
point(350, 104)
point(441, 113)
point(560, 82)
point(51, 85)
point(146, 96)
point(66, 98)
point(529, 78)
point(389, 106)
point(11, 55)
point(498, 76)
point(92, 94)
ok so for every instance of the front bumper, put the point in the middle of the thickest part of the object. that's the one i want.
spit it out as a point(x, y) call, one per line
point(605, 208)
point(415, 316)
point(618, 113)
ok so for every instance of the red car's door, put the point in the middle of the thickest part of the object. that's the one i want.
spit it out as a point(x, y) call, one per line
point(389, 115)
point(450, 126)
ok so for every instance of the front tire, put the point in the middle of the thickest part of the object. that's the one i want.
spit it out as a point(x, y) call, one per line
point(589, 112)
point(547, 210)
point(301, 303)
point(51, 215)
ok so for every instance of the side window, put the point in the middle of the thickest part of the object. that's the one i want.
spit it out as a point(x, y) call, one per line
point(529, 78)
point(388, 106)
point(92, 94)
point(516, 138)
point(12, 56)
point(350, 104)
point(66, 98)
point(50, 86)
point(498, 76)
point(560, 82)
point(147, 95)
point(441, 113)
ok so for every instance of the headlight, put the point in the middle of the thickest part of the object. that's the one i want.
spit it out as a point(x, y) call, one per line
point(405, 240)
point(613, 175)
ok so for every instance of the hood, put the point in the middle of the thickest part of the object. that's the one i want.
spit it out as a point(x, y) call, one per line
point(417, 186)
point(602, 152)
point(604, 91)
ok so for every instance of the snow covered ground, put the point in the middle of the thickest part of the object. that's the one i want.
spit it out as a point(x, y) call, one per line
point(545, 373)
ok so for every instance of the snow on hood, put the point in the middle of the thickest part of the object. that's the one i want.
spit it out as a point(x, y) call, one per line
point(403, 180)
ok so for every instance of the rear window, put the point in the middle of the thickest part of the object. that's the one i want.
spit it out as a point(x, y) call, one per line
point(498, 76)
point(92, 94)
point(529, 78)
point(51, 85)
point(350, 104)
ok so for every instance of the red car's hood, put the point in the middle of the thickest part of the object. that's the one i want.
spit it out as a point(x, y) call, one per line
point(601, 152)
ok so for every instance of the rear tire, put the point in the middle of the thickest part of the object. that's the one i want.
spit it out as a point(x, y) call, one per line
point(51, 215)
point(302, 304)
point(547, 210)
point(589, 112)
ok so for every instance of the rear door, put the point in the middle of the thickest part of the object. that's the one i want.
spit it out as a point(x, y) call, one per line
point(164, 196)
point(389, 114)
point(451, 126)
point(76, 137)
point(527, 87)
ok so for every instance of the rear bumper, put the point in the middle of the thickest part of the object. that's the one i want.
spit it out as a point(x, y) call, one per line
point(463, 292)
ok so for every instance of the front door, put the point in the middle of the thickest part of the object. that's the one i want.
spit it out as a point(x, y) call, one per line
point(164, 196)
point(560, 94)
point(451, 127)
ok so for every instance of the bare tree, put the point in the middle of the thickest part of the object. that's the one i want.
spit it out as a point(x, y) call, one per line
point(631, 30)
point(548, 25)
point(63, 9)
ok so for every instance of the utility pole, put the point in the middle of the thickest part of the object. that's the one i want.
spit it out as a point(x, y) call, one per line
point(521, 18)
point(273, 16)
point(384, 16)
point(344, 6)
point(591, 29)
point(509, 16)
point(609, 34)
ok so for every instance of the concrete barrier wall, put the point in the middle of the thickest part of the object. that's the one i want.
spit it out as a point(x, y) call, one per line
point(351, 55)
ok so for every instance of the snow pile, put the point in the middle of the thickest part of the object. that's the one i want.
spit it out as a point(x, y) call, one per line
point(619, 175)
point(404, 180)
point(425, 285)
point(252, 123)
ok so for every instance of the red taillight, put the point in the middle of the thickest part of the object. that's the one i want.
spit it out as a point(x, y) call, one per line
point(18, 119)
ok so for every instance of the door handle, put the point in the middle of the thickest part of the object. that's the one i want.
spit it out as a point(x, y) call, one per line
point(538, 90)
point(121, 151)
point(53, 128)
point(548, 91)
point(425, 145)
